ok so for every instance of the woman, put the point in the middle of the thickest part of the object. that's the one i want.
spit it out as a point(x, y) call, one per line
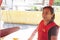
point(47, 29)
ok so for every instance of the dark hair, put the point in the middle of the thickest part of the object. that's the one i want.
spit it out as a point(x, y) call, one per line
point(51, 10)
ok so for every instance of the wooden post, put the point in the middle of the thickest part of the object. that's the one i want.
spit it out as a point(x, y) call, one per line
point(51, 2)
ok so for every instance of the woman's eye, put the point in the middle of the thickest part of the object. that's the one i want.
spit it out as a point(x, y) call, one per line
point(46, 13)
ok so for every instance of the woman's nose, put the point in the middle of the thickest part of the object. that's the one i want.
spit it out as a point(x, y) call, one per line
point(44, 14)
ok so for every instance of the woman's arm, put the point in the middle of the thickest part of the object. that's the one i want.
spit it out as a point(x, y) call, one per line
point(31, 37)
point(53, 37)
point(8, 31)
point(54, 33)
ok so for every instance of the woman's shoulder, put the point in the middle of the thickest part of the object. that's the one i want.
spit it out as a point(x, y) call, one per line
point(54, 30)
point(55, 27)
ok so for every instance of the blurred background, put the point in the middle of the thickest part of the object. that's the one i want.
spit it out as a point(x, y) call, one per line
point(25, 14)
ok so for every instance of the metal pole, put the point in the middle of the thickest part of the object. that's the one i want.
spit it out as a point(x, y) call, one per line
point(1, 21)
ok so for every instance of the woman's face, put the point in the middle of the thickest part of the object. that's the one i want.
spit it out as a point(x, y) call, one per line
point(47, 14)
